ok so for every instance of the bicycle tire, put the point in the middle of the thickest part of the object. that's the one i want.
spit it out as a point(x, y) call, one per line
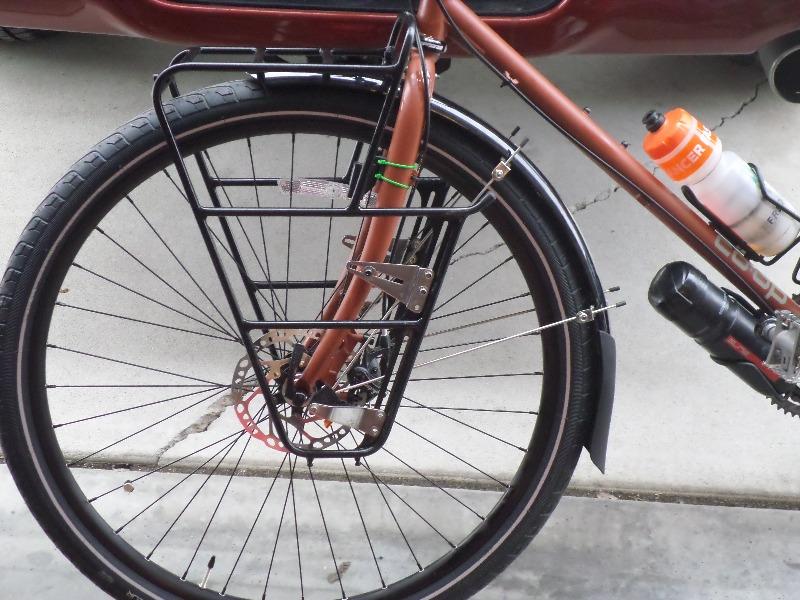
point(211, 115)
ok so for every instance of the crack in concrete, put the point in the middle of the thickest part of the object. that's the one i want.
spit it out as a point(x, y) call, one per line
point(600, 197)
point(742, 106)
point(200, 425)
point(477, 253)
point(607, 193)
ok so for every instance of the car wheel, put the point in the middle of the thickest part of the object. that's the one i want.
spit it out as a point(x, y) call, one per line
point(16, 34)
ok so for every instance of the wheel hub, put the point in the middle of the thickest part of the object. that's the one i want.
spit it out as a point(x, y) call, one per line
point(250, 403)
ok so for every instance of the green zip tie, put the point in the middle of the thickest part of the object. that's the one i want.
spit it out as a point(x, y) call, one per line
point(381, 177)
point(387, 163)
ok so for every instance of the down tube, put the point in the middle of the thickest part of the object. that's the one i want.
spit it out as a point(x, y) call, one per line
point(609, 153)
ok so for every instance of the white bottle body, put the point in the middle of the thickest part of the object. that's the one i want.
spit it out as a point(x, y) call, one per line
point(729, 189)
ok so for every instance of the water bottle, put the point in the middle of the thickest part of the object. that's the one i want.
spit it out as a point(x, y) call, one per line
point(691, 154)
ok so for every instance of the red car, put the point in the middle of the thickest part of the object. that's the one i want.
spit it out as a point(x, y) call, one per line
point(533, 26)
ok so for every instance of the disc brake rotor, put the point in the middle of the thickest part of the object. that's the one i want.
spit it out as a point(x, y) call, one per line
point(246, 396)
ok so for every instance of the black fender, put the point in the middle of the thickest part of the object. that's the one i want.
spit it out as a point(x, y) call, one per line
point(543, 193)
point(546, 198)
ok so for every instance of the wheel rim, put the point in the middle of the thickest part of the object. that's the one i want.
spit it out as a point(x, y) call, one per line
point(320, 491)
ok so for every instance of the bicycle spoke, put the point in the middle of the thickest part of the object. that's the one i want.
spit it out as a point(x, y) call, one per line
point(130, 408)
point(255, 522)
point(483, 376)
point(221, 498)
point(480, 306)
point(472, 343)
point(180, 263)
point(445, 378)
point(261, 267)
point(237, 219)
point(292, 465)
point(174, 487)
point(433, 483)
point(174, 462)
point(454, 198)
point(396, 522)
point(508, 338)
point(143, 429)
point(468, 409)
point(365, 464)
point(473, 284)
point(132, 385)
point(144, 322)
point(458, 458)
point(363, 522)
point(149, 299)
point(289, 234)
point(138, 366)
point(196, 493)
point(481, 322)
point(169, 286)
point(229, 254)
point(455, 256)
point(479, 430)
point(260, 223)
point(327, 534)
point(258, 204)
point(297, 534)
point(330, 223)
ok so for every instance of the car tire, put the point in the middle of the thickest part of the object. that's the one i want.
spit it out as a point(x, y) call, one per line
point(16, 34)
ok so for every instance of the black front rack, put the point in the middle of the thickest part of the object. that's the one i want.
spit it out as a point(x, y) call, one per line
point(387, 65)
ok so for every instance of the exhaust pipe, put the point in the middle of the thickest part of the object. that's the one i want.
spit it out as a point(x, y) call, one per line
point(781, 61)
point(720, 323)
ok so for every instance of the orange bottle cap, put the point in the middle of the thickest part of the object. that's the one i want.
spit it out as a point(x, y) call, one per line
point(679, 143)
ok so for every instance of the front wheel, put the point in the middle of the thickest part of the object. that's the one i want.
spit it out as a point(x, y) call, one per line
point(125, 434)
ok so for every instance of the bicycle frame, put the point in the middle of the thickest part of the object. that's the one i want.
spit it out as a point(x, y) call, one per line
point(416, 69)
point(613, 158)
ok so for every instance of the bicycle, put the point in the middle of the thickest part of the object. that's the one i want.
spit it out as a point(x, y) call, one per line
point(103, 292)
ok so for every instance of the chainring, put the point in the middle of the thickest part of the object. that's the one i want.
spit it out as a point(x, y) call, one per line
point(788, 403)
